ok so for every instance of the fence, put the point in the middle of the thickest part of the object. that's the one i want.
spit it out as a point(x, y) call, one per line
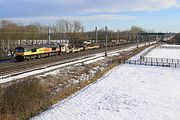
point(169, 47)
point(149, 50)
point(151, 63)
point(158, 47)
point(162, 60)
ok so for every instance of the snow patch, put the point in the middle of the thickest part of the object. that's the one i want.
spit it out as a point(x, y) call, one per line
point(164, 53)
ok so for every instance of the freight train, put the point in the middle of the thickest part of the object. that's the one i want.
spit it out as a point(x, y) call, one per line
point(28, 52)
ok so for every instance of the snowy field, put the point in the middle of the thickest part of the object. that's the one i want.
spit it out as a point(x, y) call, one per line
point(168, 45)
point(137, 57)
point(128, 92)
point(165, 53)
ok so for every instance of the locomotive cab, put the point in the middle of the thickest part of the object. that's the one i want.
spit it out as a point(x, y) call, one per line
point(19, 53)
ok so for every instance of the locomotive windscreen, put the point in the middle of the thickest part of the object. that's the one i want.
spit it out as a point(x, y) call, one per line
point(19, 49)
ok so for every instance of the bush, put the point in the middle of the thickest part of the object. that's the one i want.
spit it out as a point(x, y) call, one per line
point(177, 38)
point(19, 100)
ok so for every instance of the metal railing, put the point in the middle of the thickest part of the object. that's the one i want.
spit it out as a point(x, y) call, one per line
point(168, 47)
point(162, 60)
point(157, 61)
point(153, 63)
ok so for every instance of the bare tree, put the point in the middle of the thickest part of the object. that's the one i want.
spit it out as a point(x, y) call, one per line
point(77, 26)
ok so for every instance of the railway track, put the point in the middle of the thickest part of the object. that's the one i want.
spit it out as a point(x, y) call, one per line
point(16, 68)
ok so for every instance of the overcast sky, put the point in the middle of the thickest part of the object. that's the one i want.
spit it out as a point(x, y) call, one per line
point(159, 15)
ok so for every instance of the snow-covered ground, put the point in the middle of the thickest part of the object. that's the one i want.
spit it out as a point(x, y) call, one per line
point(128, 92)
point(164, 53)
point(45, 69)
point(168, 45)
point(137, 57)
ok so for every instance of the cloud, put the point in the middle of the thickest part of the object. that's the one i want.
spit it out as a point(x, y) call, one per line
point(120, 5)
point(52, 19)
point(132, 5)
point(178, 4)
point(70, 2)
point(26, 8)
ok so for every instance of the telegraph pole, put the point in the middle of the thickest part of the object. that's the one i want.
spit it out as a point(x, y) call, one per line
point(106, 40)
point(156, 37)
point(129, 37)
point(49, 35)
point(143, 39)
point(137, 40)
point(149, 37)
point(96, 32)
point(118, 35)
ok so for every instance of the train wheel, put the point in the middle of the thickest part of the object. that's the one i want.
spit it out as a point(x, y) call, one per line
point(39, 56)
point(27, 58)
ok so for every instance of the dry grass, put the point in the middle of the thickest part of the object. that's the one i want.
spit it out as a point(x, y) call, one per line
point(19, 100)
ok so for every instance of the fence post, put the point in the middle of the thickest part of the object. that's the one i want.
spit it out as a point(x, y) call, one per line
point(151, 61)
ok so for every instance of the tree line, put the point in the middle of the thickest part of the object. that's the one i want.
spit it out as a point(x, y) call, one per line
point(13, 34)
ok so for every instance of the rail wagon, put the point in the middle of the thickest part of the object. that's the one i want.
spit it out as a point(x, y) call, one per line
point(91, 47)
point(27, 52)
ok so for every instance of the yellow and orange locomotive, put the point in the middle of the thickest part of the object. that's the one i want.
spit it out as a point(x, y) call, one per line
point(36, 51)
